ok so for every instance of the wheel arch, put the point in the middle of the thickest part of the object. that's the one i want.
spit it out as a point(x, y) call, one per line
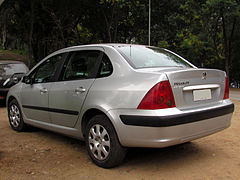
point(10, 98)
point(88, 115)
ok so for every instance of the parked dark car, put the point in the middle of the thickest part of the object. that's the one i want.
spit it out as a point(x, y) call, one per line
point(10, 73)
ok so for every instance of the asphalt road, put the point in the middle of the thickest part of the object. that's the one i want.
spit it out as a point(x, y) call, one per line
point(235, 94)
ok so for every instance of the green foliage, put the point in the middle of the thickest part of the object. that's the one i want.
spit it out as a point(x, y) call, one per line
point(205, 32)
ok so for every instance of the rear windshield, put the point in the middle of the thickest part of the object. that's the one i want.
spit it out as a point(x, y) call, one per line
point(147, 57)
point(10, 69)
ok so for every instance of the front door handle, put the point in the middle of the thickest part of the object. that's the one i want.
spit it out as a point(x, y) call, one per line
point(80, 90)
point(43, 91)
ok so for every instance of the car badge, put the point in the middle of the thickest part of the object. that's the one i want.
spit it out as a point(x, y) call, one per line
point(204, 76)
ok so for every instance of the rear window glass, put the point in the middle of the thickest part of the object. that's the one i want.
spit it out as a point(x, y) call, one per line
point(9, 69)
point(146, 57)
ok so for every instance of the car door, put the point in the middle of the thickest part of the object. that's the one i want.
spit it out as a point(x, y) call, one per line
point(67, 96)
point(35, 89)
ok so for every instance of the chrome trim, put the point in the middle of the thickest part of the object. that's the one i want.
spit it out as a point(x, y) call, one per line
point(205, 86)
point(5, 83)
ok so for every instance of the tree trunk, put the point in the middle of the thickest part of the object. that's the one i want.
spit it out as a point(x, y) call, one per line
point(116, 25)
point(4, 31)
point(230, 44)
point(30, 37)
point(109, 21)
point(225, 44)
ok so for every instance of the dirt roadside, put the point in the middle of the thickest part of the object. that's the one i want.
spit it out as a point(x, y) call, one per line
point(44, 155)
point(9, 55)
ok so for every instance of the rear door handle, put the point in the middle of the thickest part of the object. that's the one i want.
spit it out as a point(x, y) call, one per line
point(43, 91)
point(80, 90)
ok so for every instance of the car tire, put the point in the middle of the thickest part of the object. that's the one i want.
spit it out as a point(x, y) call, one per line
point(15, 116)
point(102, 143)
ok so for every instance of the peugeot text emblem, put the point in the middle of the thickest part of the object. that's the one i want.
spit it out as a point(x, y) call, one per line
point(204, 76)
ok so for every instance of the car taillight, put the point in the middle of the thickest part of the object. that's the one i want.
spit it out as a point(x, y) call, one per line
point(226, 92)
point(159, 97)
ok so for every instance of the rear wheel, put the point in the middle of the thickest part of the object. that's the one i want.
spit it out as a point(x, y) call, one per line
point(102, 143)
point(15, 116)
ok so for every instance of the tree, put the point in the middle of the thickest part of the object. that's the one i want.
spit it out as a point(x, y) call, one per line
point(4, 30)
point(204, 32)
point(221, 17)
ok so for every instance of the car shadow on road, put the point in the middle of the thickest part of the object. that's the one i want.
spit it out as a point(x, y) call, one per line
point(139, 158)
point(172, 156)
point(57, 137)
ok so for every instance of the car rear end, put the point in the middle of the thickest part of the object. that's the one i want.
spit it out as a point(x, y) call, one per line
point(183, 103)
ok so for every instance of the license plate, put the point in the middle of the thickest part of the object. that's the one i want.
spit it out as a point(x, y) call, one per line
point(200, 95)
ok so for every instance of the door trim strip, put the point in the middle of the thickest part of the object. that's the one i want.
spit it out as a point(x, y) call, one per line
point(63, 111)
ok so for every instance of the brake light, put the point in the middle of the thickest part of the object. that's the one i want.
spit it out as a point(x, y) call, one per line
point(226, 92)
point(159, 96)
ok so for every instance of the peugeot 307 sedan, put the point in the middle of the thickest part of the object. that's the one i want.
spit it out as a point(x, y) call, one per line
point(115, 96)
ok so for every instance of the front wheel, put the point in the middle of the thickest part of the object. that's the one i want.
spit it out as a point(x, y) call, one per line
point(102, 143)
point(15, 116)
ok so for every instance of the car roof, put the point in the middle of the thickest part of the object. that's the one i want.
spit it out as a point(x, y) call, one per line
point(121, 44)
point(10, 62)
point(101, 45)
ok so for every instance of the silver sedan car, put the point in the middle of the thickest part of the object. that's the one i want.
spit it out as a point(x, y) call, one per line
point(115, 96)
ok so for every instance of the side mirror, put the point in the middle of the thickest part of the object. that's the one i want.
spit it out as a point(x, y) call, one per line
point(15, 78)
point(27, 80)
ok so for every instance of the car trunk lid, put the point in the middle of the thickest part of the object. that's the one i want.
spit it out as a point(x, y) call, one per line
point(196, 87)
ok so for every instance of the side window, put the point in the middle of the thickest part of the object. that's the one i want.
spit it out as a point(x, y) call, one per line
point(106, 67)
point(45, 72)
point(81, 65)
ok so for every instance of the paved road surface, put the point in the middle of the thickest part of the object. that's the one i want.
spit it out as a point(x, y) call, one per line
point(235, 94)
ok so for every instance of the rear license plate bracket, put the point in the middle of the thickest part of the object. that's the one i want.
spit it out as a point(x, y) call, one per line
point(201, 95)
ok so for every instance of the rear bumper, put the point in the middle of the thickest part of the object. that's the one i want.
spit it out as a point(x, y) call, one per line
point(162, 128)
point(173, 120)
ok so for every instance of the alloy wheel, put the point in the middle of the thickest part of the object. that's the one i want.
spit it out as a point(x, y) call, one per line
point(99, 142)
point(14, 115)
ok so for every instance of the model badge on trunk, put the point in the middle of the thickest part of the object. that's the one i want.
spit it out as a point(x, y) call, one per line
point(181, 84)
point(204, 76)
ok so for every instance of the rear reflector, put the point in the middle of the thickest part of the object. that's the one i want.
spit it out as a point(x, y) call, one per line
point(226, 92)
point(159, 97)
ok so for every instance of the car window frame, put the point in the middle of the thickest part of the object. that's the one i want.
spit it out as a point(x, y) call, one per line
point(68, 58)
point(99, 70)
point(56, 74)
